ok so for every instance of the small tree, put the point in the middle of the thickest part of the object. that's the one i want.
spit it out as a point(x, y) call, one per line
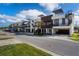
point(39, 25)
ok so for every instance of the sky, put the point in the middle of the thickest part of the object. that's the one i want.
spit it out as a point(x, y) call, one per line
point(16, 12)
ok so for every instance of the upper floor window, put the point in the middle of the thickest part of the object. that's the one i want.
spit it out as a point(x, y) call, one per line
point(63, 21)
point(56, 22)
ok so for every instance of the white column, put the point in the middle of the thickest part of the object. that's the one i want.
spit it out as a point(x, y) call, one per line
point(18, 29)
point(53, 32)
point(53, 21)
point(71, 30)
point(66, 21)
point(46, 31)
point(30, 25)
point(24, 29)
point(30, 29)
point(72, 27)
point(60, 22)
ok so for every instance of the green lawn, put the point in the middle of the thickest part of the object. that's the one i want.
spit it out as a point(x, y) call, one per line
point(75, 36)
point(21, 50)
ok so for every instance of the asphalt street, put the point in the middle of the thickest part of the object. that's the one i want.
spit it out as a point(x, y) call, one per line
point(58, 46)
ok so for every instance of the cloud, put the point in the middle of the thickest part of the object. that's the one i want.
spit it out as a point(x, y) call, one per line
point(50, 6)
point(8, 18)
point(22, 16)
point(76, 12)
point(2, 21)
point(29, 14)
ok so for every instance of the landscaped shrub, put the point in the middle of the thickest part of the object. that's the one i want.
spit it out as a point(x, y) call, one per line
point(75, 36)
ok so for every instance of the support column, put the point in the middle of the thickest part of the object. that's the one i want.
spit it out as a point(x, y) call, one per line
point(53, 32)
point(71, 29)
point(60, 22)
point(18, 29)
point(72, 26)
point(24, 29)
point(46, 31)
point(30, 29)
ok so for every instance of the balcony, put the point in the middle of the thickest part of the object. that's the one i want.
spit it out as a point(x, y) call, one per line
point(62, 22)
point(61, 27)
point(57, 16)
point(57, 24)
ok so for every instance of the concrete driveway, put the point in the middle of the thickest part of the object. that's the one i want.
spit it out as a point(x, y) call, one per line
point(62, 46)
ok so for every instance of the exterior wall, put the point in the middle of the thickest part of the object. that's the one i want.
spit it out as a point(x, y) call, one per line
point(60, 21)
point(70, 27)
point(58, 16)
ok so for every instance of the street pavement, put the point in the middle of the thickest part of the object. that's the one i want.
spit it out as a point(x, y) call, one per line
point(62, 46)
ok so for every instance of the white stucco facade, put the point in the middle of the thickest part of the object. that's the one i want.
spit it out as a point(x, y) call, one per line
point(58, 21)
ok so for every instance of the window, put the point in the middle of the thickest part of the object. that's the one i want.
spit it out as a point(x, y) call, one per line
point(56, 22)
point(63, 21)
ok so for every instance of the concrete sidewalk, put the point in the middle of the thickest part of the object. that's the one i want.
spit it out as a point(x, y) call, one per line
point(62, 37)
point(9, 41)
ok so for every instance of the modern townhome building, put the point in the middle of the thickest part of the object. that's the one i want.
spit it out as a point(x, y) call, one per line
point(47, 24)
point(44, 25)
point(24, 26)
point(16, 27)
point(62, 23)
point(57, 23)
point(28, 26)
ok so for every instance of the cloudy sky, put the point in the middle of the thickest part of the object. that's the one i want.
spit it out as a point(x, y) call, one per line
point(16, 12)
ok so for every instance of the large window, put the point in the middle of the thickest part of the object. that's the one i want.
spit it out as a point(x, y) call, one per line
point(63, 21)
point(56, 22)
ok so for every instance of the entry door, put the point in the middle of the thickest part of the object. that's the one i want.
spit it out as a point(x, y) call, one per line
point(49, 31)
point(43, 31)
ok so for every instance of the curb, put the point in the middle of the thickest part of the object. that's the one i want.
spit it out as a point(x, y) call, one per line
point(68, 40)
point(74, 41)
point(49, 52)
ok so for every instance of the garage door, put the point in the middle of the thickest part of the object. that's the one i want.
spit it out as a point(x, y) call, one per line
point(62, 31)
